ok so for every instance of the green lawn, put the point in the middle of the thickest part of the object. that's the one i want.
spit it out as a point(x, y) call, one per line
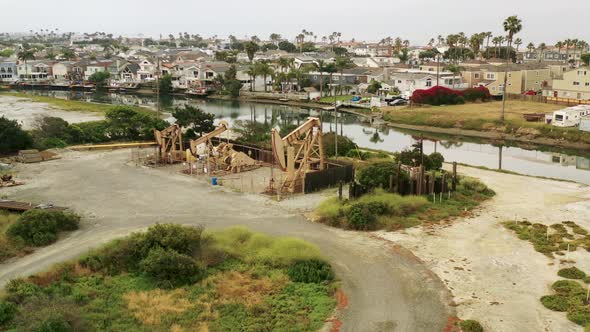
point(70, 105)
point(486, 117)
point(330, 99)
point(176, 278)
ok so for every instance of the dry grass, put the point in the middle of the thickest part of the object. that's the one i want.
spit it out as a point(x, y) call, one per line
point(242, 287)
point(480, 111)
point(151, 306)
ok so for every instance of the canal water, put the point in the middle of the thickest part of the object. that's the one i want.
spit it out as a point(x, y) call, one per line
point(529, 159)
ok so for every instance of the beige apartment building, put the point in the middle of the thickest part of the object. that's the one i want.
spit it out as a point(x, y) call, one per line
point(521, 78)
point(575, 84)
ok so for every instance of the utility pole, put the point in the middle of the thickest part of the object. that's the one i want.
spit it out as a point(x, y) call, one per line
point(336, 123)
point(158, 87)
point(505, 80)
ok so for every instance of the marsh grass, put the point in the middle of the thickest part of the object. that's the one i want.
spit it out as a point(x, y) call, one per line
point(552, 240)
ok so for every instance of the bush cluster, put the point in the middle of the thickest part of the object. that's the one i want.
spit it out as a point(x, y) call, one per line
point(569, 297)
point(168, 253)
point(571, 273)
point(39, 227)
point(433, 161)
point(376, 174)
point(121, 123)
point(12, 136)
point(364, 213)
point(471, 326)
point(439, 95)
point(311, 271)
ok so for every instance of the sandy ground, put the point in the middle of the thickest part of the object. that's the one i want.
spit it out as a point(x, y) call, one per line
point(26, 112)
point(495, 277)
point(388, 289)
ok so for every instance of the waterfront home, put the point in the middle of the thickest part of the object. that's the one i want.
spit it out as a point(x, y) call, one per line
point(128, 72)
point(95, 67)
point(35, 70)
point(571, 116)
point(410, 81)
point(8, 71)
point(575, 84)
point(63, 70)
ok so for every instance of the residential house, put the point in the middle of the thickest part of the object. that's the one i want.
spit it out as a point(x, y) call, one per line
point(8, 71)
point(35, 70)
point(63, 70)
point(128, 72)
point(95, 67)
point(575, 84)
point(409, 81)
point(147, 70)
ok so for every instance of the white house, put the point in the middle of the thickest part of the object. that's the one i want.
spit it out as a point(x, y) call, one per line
point(409, 81)
point(8, 71)
point(585, 123)
point(571, 116)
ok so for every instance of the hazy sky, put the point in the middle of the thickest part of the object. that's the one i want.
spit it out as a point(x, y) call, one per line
point(416, 20)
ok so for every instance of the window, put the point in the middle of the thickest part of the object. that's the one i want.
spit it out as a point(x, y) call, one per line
point(476, 76)
point(587, 84)
point(576, 83)
point(399, 81)
point(429, 82)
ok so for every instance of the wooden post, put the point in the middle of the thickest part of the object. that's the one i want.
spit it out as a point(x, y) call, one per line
point(422, 183)
point(412, 187)
point(433, 175)
point(351, 188)
point(454, 185)
point(399, 178)
point(391, 183)
point(340, 190)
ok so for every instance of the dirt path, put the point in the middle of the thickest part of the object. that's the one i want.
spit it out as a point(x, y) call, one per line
point(495, 277)
point(387, 287)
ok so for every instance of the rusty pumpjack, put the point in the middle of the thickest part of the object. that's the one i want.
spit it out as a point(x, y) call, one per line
point(169, 141)
point(304, 153)
point(222, 155)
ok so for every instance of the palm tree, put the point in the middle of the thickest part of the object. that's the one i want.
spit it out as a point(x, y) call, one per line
point(252, 72)
point(517, 42)
point(341, 64)
point(275, 38)
point(321, 66)
point(542, 48)
point(264, 70)
point(24, 55)
point(496, 41)
point(567, 43)
point(456, 70)
point(512, 25)
point(398, 44)
point(330, 69)
point(251, 49)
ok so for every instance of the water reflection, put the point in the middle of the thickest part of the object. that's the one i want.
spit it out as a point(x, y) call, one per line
point(527, 161)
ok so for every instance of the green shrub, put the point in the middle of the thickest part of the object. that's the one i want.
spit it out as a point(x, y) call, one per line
point(311, 271)
point(345, 145)
point(568, 287)
point(116, 257)
point(376, 175)
point(54, 324)
point(19, 289)
point(50, 143)
point(571, 273)
point(580, 316)
point(182, 239)
point(586, 279)
point(361, 217)
point(557, 302)
point(7, 312)
point(12, 136)
point(475, 185)
point(471, 326)
point(170, 267)
point(40, 227)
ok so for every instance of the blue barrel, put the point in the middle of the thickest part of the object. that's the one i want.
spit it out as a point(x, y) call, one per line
point(214, 181)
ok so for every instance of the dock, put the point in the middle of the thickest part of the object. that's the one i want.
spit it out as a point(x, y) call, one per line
point(23, 206)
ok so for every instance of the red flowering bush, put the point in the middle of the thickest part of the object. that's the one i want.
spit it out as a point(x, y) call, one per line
point(474, 94)
point(439, 95)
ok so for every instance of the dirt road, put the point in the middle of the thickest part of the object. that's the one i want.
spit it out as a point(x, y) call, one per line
point(387, 287)
point(495, 277)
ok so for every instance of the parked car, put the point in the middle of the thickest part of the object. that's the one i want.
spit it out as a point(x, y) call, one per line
point(398, 102)
point(390, 99)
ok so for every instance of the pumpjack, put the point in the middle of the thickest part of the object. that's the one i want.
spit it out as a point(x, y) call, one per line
point(299, 152)
point(169, 141)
